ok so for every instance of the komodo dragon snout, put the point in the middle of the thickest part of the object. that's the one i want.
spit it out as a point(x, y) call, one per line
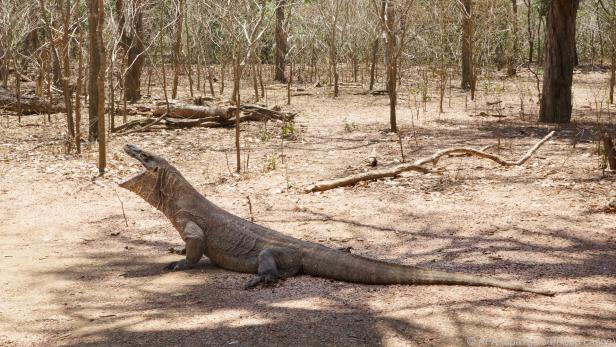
point(144, 183)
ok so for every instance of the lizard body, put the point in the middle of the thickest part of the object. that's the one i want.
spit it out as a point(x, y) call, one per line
point(236, 244)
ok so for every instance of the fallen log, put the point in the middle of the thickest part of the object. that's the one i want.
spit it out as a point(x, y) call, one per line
point(418, 166)
point(29, 104)
point(188, 116)
point(194, 111)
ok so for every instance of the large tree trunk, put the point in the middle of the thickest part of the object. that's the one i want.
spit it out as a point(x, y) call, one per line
point(559, 61)
point(132, 43)
point(281, 43)
point(96, 80)
point(467, 44)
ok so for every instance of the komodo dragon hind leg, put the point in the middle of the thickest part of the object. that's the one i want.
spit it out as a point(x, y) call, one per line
point(275, 263)
point(195, 245)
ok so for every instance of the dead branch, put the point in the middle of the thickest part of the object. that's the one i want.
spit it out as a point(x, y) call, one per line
point(418, 166)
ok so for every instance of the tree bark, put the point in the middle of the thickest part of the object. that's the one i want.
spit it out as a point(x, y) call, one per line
point(132, 42)
point(375, 50)
point(531, 42)
point(66, 73)
point(392, 64)
point(177, 49)
point(558, 62)
point(513, 55)
point(467, 44)
point(96, 108)
point(281, 43)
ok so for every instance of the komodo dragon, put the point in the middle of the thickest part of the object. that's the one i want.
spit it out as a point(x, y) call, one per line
point(236, 244)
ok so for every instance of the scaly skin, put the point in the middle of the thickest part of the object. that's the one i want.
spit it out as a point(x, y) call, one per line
point(236, 244)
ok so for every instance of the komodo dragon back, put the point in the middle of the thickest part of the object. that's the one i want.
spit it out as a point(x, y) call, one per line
point(236, 244)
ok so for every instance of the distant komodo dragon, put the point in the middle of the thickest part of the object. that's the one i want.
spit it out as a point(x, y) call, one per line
point(236, 244)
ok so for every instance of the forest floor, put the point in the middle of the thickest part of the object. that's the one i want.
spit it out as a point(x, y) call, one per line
point(75, 271)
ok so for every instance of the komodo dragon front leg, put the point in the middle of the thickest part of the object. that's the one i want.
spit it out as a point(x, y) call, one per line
point(275, 263)
point(195, 245)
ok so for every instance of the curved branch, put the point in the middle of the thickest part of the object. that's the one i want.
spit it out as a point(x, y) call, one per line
point(418, 166)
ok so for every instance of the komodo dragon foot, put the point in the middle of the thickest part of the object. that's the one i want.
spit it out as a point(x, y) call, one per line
point(180, 265)
point(266, 279)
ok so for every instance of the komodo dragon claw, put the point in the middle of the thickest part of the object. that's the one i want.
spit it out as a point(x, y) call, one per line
point(267, 279)
point(179, 265)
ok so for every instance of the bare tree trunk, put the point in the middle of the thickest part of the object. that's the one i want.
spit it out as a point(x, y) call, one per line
point(237, 74)
point(132, 42)
point(17, 86)
point(66, 73)
point(512, 61)
point(222, 78)
point(78, 90)
point(375, 50)
point(96, 19)
point(559, 61)
point(613, 61)
point(209, 78)
point(281, 43)
point(289, 84)
point(529, 16)
point(111, 100)
point(177, 49)
point(392, 64)
point(162, 56)
point(467, 44)
point(188, 62)
point(254, 81)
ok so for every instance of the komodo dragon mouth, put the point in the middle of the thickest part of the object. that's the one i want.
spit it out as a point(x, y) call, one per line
point(151, 163)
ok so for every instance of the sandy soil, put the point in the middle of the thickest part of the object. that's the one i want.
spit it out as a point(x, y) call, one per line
point(76, 272)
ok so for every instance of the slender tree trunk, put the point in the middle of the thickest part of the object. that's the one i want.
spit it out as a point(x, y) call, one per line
point(96, 19)
point(613, 62)
point(210, 80)
point(17, 86)
point(281, 43)
point(188, 63)
point(66, 73)
point(111, 100)
point(177, 49)
point(529, 16)
point(513, 55)
point(222, 79)
point(559, 61)
point(255, 81)
point(237, 73)
point(78, 90)
point(392, 64)
point(375, 50)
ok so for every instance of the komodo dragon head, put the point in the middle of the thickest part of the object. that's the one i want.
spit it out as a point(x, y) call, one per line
point(152, 182)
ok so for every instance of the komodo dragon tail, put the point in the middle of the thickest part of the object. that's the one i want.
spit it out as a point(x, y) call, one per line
point(353, 268)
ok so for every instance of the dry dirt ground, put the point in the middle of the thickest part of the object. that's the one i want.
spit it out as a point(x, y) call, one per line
point(75, 271)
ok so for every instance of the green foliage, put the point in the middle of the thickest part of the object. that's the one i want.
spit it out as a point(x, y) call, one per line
point(270, 162)
point(264, 135)
point(288, 129)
